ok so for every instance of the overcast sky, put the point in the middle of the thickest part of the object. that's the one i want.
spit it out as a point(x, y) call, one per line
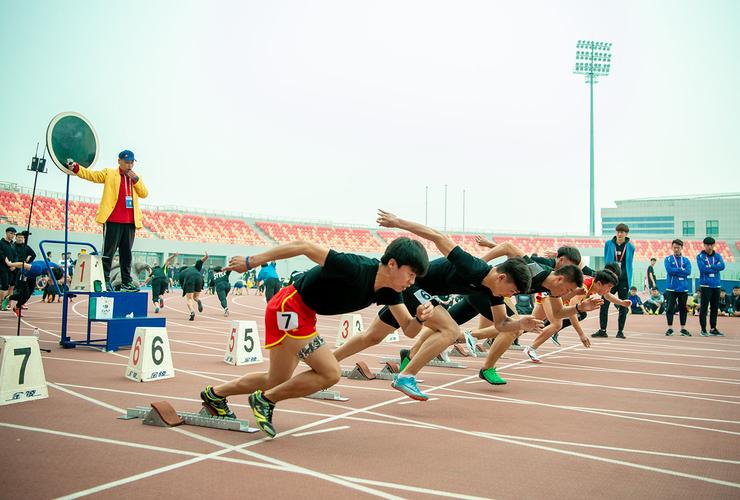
point(330, 109)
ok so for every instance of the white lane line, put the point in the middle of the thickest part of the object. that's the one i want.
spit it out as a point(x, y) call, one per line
point(566, 366)
point(225, 448)
point(320, 431)
point(520, 377)
point(650, 361)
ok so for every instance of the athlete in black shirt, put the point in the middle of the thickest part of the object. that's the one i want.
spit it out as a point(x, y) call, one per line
point(565, 281)
point(7, 275)
point(191, 281)
point(458, 272)
point(340, 283)
point(158, 278)
point(222, 286)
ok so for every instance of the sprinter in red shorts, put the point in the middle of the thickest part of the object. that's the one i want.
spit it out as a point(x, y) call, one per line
point(340, 283)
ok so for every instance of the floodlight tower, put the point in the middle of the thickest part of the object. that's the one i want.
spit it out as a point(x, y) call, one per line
point(593, 59)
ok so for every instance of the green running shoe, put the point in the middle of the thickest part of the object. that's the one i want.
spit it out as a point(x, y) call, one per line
point(216, 403)
point(490, 376)
point(262, 412)
point(4, 305)
point(405, 355)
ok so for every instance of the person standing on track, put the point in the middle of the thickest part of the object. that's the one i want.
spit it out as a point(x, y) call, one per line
point(621, 250)
point(7, 274)
point(678, 270)
point(269, 277)
point(710, 265)
point(119, 212)
point(339, 283)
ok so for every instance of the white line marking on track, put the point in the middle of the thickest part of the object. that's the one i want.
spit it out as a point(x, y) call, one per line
point(330, 429)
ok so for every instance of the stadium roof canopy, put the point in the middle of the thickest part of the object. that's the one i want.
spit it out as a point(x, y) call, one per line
point(718, 196)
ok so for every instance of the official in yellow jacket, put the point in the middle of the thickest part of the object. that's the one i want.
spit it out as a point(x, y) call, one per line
point(119, 212)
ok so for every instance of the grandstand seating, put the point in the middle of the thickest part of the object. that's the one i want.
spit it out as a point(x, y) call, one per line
point(340, 238)
point(49, 214)
point(186, 227)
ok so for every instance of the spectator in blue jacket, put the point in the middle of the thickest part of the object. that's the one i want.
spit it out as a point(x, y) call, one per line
point(710, 264)
point(269, 276)
point(678, 270)
point(621, 250)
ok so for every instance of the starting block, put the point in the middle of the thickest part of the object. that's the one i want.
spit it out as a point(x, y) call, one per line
point(162, 414)
point(439, 361)
point(363, 372)
point(327, 396)
point(460, 351)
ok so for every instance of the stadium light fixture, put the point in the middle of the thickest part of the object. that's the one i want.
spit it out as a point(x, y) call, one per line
point(593, 59)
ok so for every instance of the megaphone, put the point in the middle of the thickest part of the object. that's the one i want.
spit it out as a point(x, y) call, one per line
point(71, 136)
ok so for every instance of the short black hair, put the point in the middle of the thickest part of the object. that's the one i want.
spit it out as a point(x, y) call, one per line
point(518, 272)
point(614, 268)
point(570, 253)
point(709, 241)
point(58, 273)
point(607, 276)
point(571, 274)
point(655, 288)
point(633, 288)
point(217, 269)
point(652, 259)
point(677, 242)
point(407, 252)
point(622, 227)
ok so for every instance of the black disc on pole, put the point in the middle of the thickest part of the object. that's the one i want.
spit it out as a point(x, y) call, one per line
point(70, 136)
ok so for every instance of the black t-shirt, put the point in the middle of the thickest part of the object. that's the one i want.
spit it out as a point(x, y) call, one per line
point(651, 276)
point(540, 272)
point(459, 273)
point(346, 283)
point(7, 249)
point(22, 252)
point(221, 278)
point(737, 303)
point(158, 272)
point(622, 260)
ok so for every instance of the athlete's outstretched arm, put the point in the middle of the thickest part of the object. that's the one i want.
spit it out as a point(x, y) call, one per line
point(443, 242)
point(616, 300)
point(316, 253)
point(506, 249)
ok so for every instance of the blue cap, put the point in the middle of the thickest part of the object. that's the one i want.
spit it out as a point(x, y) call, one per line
point(126, 155)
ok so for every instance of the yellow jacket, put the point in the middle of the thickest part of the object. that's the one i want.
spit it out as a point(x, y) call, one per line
point(111, 177)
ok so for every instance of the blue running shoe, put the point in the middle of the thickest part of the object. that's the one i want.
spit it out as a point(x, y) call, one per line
point(407, 385)
point(554, 339)
point(470, 341)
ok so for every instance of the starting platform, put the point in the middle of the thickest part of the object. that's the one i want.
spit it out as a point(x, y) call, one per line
point(327, 395)
point(363, 372)
point(162, 414)
point(439, 362)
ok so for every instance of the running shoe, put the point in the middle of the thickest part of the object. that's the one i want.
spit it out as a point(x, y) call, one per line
point(716, 333)
point(555, 340)
point(226, 312)
point(200, 305)
point(599, 334)
point(669, 332)
point(262, 410)
point(216, 403)
point(704, 333)
point(156, 309)
point(532, 353)
point(192, 316)
point(161, 302)
point(685, 332)
point(108, 287)
point(405, 355)
point(490, 376)
point(407, 385)
point(4, 305)
point(129, 287)
point(620, 335)
point(17, 311)
point(470, 341)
